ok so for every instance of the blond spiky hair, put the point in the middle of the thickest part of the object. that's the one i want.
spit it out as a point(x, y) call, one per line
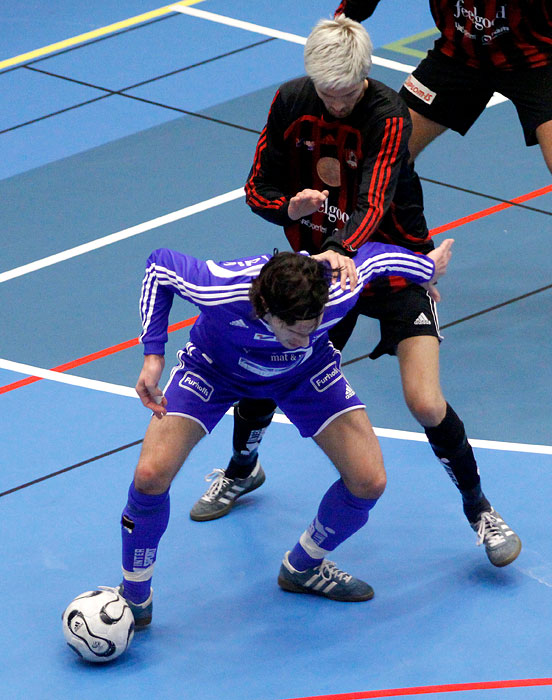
point(338, 53)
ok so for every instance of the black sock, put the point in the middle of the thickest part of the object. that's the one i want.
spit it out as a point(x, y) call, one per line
point(251, 419)
point(474, 503)
point(450, 444)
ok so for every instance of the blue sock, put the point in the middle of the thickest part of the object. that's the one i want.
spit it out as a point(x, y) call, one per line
point(340, 515)
point(143, 522)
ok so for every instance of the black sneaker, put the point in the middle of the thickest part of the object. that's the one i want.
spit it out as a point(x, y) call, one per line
point(501, 542)
point(324, 580)
point(142, 611)
point(224, 492)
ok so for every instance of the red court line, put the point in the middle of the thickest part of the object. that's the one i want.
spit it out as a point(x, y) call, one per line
point(428, 689)
point(491, 210)
point(188, 322)
point(90, 358)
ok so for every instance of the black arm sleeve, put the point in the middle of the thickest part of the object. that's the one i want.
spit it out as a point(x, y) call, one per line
point(358, 10)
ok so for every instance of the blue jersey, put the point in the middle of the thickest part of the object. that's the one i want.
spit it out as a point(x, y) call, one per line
point(227, 332)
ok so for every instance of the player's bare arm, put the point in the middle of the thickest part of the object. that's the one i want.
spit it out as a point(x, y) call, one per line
point(306, 202)
point(147, 386)
point(440, 256)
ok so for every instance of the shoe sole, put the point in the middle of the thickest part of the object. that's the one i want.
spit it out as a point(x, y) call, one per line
point(221, 513)
point(141, 624)
point(510, 559)
point(289, 587)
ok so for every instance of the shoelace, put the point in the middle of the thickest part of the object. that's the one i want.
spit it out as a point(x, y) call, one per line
point(329, 571)
point(220, 482)
point(489, 530)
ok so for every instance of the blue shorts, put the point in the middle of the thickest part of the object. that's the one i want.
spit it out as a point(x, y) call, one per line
point(311, 395)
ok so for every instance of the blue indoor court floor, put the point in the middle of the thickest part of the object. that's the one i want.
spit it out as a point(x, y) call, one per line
point(127, 127)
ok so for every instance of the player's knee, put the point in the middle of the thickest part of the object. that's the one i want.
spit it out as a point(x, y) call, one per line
point(369, 484)
point(378, 485)
point(428, 410)
point(149, 479)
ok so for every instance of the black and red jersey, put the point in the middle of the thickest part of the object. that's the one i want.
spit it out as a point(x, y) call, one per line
point(362, 160)
point(502, 34)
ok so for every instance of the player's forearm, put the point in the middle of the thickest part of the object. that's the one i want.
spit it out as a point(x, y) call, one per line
point(267, 201)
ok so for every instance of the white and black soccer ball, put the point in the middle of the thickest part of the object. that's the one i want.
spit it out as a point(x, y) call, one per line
point(98, 625)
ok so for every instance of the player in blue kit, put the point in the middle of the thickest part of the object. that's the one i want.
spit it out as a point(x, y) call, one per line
point(262, 331)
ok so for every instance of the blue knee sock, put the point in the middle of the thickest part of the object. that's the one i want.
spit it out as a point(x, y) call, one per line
point(340, 515)
point(143, 523)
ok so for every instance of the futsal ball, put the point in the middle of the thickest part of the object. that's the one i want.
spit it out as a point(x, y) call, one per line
point(98, 625)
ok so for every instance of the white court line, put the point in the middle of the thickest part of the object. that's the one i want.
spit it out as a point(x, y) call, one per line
point(121, 235)
point(65, 378)
point(200, 206)
point(120, 390)
point(275, 33)
point(296, 39)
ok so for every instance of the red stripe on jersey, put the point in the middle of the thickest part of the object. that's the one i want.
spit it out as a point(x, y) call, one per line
point(379, 182)
point(252, 196)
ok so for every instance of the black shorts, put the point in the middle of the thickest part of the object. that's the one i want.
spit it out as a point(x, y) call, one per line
point(403, 314)
point(449, 93)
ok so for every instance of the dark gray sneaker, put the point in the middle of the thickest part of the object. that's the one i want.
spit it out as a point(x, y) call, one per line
point(501, 542)
point(142, 611)
point(224, 492)
point(325, 580)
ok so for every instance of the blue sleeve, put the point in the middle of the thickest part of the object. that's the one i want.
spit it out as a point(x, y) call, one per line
point(213, 287)
point(382, 260)
point(168, 272)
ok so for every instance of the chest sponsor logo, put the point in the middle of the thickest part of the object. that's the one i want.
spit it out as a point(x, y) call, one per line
point(479, 21)
point(326, 377)
point(197, 385)
point(487, 28)
point(333, 213)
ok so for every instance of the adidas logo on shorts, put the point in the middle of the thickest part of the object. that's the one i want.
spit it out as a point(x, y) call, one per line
point(422, 320)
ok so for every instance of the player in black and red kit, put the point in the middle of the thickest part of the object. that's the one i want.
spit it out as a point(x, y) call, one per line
point(501, 46)
point(332, 167)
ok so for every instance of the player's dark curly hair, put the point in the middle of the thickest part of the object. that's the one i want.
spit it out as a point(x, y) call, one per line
point(292, 287)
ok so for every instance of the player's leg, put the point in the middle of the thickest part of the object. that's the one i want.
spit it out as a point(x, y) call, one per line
point(424, 131)
point(419, 366)
point(442, 94)
point(349, 441)
point(193, 409)
point(323, 405)
point(531, 93)
point(544, 137)
point(145, 517)
point(244, 472)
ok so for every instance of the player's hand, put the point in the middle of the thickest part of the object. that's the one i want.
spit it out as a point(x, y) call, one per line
point(440, 256)
point(147, 386)
point(343, 267)
point(306, 203)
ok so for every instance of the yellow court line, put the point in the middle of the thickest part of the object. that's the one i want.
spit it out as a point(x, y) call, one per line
point(102, 31)
point(400, 45)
